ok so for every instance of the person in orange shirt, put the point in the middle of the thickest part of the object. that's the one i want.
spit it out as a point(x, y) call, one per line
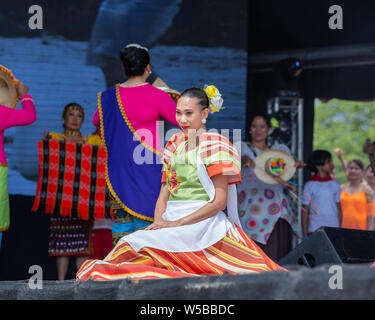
point(357, 198)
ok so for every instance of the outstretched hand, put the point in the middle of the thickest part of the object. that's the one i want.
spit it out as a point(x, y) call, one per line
point(299, 164)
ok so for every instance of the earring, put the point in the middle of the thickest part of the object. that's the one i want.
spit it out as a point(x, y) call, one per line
point(150, 72)
point(204, 121)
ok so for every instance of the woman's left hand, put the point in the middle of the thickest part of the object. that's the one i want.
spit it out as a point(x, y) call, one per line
point(163, 224)
point(299, 164)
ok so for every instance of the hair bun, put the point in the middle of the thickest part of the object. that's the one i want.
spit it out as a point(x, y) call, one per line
point(134, 58)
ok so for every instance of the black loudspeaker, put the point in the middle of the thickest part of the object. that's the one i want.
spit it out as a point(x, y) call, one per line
point(333, 245)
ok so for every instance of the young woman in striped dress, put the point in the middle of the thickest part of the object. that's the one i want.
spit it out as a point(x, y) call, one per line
point(191, 235)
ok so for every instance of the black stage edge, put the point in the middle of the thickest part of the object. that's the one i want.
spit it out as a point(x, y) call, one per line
point(300, 283)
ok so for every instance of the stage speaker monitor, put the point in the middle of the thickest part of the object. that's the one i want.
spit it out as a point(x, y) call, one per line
point(333, 246)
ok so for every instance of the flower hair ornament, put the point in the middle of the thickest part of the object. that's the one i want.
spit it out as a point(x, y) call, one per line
point(216, 101)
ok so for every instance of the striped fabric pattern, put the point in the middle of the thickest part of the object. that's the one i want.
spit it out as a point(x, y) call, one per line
point(220, 156)
point(234, 254)
point(217, 153)
point(71, 180)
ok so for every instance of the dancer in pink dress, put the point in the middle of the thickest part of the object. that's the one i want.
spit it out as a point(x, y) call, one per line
point(11, 118)
point(133, 110)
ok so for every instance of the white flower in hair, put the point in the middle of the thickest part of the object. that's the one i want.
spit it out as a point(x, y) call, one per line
point(216, 101)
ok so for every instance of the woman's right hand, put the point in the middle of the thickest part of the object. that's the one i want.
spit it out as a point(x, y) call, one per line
point(247, 162)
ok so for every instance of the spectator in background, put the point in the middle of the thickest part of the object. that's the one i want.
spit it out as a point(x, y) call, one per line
point(71, 237)
point(356, 198)
point(324, 193)
point(272, 232)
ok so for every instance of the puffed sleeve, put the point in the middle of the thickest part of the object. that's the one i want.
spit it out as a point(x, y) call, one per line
point(221, 157)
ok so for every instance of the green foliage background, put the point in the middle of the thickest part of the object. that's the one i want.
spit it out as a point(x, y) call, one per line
point(346, 125)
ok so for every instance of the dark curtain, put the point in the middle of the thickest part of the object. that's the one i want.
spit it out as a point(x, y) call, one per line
point(26, 243)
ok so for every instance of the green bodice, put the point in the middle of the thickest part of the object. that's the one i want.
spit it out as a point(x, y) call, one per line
point(182, 176)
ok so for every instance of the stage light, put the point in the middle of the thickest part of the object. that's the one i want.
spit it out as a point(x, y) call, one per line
point(285, 77)
point(291, 68)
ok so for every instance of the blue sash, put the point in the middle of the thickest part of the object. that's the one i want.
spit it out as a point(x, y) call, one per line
point(134, 185)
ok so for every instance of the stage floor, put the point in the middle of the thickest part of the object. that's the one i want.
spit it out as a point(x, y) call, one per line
point(325, 282)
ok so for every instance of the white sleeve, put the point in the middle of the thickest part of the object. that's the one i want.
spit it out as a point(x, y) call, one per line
point(245, 151)
point(307, 191)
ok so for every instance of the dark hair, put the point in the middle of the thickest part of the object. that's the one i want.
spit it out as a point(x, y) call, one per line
point(134, 60)
point(72, 104)
point(318, 158)
point(358, 162)
point(265, 117)
point(198, 93)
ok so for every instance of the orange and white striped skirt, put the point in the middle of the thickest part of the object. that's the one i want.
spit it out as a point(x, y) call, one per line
point(234, 254)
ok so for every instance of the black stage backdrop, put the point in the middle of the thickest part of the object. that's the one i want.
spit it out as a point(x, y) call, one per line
point(26, 243)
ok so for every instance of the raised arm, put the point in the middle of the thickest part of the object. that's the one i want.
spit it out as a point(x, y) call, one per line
point(20, 117)
point(340, 156)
